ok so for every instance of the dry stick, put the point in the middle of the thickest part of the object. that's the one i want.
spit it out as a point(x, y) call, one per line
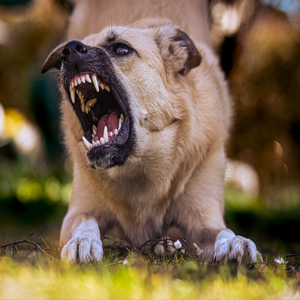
point(291, 255)
point(29, 242)
point(40, 236)
point(116, 241)
point(187, 247)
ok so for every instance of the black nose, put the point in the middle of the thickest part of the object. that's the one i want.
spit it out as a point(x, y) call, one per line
point(75, 48)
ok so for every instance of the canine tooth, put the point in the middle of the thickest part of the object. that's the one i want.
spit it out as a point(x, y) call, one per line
point(78, 80)
point(83, 79)
point(72, 92)
point(88, 79)
point(105, 135)
point(102, 141)
point(122, 118)
point(116, 131)
point(86, 143)
point(102, 85)
point(75, 82)
point(95, 82)
point(107, 88)
point(94, 130)
point(120, 125)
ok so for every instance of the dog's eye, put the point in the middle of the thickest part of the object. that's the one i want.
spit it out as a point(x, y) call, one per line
point(121, 49)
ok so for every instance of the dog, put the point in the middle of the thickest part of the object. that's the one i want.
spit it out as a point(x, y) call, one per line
point(146, 114)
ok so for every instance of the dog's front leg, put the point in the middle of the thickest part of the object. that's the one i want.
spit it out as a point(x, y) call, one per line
point(85, 244)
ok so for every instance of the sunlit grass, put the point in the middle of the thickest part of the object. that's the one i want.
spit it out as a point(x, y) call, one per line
point(32, 275)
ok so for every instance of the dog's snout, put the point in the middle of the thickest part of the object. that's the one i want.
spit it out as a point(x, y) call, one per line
point(73, 48)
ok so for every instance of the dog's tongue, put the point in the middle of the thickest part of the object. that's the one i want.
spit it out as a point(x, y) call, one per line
point(111, 120)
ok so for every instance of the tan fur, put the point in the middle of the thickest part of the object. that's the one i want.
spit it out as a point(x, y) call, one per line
point(176, 173)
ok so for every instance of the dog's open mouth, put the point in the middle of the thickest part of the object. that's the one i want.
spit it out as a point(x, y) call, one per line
point(99, 109)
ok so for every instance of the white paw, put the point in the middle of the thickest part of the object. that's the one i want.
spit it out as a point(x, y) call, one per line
point(85, 245)
point(229, 246)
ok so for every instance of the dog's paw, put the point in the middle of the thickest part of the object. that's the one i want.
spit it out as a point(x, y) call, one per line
point(229, 246)
point(164, 246)
point(85, 245)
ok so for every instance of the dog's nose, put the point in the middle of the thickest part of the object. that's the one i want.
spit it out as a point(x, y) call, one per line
point(75, 48)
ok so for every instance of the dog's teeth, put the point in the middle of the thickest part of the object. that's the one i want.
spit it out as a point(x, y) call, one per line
point(88, 79)
point(91, 102)
point(82, 106)
point(87, 144)
point(122, 118)
point(116, 131)
point(105, 135)
point(94, 143)
point(78, 80)
point(86, 109)
point(99, 143)
point(72, 92)
point(102, 85)
point(120, 125)
point(93, 135)
point(94, 130)
point(75, 82)
point(95, 82)
point(102, 141)
point(111, 134)
point(72, 84)
point(107, 88)
point(83, 79)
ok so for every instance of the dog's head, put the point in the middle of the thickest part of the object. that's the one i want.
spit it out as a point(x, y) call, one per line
point(121, 85)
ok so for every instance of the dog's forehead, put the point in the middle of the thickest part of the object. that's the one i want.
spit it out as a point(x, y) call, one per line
point(119, 34)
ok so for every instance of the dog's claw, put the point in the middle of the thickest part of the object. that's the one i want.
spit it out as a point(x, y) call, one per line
point(228, 246)
point(85, 245)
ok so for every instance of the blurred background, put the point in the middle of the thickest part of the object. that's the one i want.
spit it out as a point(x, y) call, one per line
point(258, 42)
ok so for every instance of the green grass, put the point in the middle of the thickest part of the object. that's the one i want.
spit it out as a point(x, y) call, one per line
point(27, 273)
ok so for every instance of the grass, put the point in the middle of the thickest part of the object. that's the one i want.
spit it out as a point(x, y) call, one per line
point(27, 273)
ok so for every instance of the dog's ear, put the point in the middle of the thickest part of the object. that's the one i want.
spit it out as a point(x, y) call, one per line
point(54, 59)
point(178, 49)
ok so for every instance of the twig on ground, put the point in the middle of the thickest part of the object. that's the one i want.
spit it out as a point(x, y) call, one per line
point(188, 248)
point(116, 241)
point(291, 255)
point(29, 242)
point(40, 236)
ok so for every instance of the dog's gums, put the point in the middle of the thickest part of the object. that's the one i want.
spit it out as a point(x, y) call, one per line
point(106, 124)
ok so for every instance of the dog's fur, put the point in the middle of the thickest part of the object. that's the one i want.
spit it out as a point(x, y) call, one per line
point(180, 115)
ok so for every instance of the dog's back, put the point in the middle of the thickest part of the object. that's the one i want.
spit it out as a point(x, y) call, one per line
point(91, 16)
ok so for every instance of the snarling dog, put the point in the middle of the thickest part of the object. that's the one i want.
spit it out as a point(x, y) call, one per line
point(145, 115)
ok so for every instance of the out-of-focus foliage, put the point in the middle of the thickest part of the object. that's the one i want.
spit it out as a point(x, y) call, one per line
point(260, 51)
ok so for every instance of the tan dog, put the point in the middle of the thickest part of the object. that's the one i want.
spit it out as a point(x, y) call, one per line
point(145, 115)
